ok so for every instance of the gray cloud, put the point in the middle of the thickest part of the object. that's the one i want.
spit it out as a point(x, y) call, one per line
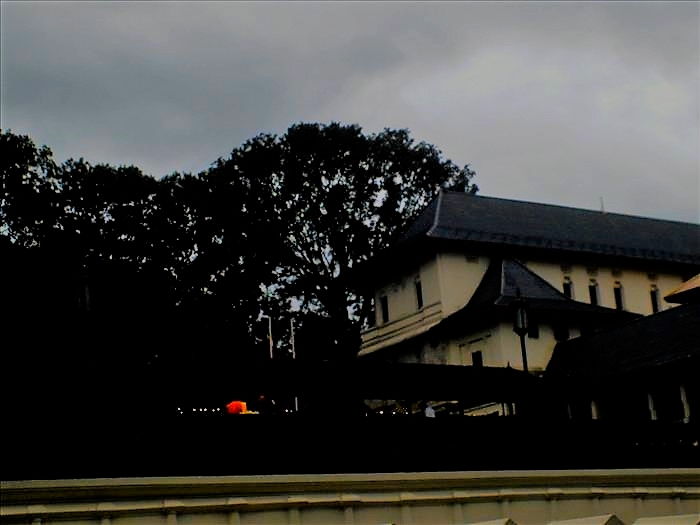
point(553, 102)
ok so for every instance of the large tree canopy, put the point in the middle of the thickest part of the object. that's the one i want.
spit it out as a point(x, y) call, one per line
point(337, 196)
point(275, 227)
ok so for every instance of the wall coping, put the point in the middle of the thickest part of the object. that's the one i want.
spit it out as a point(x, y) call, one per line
point(30, 491)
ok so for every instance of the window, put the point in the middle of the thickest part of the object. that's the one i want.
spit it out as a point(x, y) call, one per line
point(654, 295)
point(477, 359)
point(593, 291)
point(568, 287)
point(533, 329)
point(384, 302)
point(667, 404)
point(561, 332)
point(419, 293)
point(372, 314)
point(617, 290)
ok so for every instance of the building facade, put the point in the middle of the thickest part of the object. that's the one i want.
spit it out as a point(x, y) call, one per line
point(445, 293)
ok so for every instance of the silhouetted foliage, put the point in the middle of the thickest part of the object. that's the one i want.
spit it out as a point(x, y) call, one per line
point(180, 268)
point(336, 196)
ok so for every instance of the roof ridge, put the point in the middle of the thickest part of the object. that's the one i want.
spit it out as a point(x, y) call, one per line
point(436, 219)
point(587, 210)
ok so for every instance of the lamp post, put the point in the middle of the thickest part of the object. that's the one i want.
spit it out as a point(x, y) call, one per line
point(520, 325)
point(291, 338)
point(269, 331)
point(294, 356)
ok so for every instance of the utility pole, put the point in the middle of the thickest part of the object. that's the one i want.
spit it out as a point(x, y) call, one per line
point(291, 325)
point(294, 356)
point(269, 331)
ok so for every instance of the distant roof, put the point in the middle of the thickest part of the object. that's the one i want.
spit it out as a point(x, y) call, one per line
point(688, 292)
point(460, 216)
point(661, 339)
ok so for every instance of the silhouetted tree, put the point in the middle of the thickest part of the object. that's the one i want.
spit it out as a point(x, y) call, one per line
point(275, 227)
point(337, 196)
point(28, 209)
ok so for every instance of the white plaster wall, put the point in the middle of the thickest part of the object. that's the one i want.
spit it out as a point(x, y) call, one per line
point(450, 279)
point(539, 350)
point(636, 284)
point(405, 318)
point(401, 292)
point(483, 341)
point(499, 346)
point(459, 278)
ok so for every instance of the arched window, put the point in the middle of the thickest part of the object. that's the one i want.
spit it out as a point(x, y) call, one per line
point(617, 290)
point(568, 287)
point(593, 291)
point(654, 296)
point(384, 303)
point(419, 292)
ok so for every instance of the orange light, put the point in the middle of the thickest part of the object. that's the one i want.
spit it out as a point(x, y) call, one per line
point(237, 407)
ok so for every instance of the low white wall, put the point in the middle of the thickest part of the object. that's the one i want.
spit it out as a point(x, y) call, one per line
point(524, 497)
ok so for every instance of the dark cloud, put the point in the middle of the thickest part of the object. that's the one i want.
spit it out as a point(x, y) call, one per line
point(555, 102)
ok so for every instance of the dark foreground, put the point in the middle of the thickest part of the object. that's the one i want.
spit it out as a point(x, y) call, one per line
point(73, 447)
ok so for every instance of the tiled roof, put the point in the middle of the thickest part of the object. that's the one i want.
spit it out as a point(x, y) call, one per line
point(463, 217)
point(668, 337)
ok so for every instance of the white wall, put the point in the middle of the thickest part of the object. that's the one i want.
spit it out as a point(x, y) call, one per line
point(459, 275)
point(636, 284)
point(449, 279)
point(405, 318)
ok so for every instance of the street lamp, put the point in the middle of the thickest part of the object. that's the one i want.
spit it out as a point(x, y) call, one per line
point(520, 325)
point(269, 331)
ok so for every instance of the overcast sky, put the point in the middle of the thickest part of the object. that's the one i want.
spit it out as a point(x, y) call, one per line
point(561, 103)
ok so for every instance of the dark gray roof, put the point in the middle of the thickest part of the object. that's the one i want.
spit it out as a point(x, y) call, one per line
point(460, 216)
point(669, 337)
